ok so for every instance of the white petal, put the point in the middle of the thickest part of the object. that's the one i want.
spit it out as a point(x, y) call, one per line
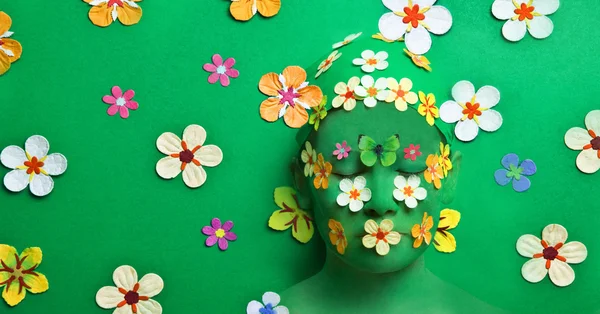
point(411, 202)
point(108, 297)
point(353, 82)
point(576, 138)
point(418, 40)
point(369, 241)
point(125, 277)
point(393, 237)
point(194, 176)
point(588, 161)
point(360, 91)
point(382, 248)
point(151, 285)
point(554, 234)
point(382, 94)
point(124, 309)
point(527, 245)
point(13, 156)
point(55, 164)
point(420, 193)
point(281, 310)
point(399, 195)
point(370, 102)
point(16, 180)
point(343, 199)
point(400, 182)
point(503, 9)
point(194, 135)
point(346, 185)
point(438, 19)
point(41, 185)
point(271, 298)
point(356, 205)
point(168, 167)
point(466, 130)
point(514, 30)
point(592, 121)
point(371, 226)
point(391, 26)
point(488, 96)
point(575, 252)
point(545, 7)
point(360, 183)
point(367, 81)
point(340, 88)
point(534, 270)
point(358, 61)
point(541, 27)
point(451, 112)
point(169, 143)
point(365, 195)
point(395, 5)
point(209, 155)
point(254, 307)
point(367, 54)
point(37, 146)
point(381, 65)
point(149, 307)
point(381, 56)
point(367, 68)
point(414, 181)
point(463, 92)
point(490, 120)
point(561, 273)
point(381, 83)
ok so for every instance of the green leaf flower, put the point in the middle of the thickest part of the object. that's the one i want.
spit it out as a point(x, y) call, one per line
point(319, 113)
point(370, 150)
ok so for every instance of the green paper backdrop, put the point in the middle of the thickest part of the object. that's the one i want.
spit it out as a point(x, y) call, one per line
point(110, 208)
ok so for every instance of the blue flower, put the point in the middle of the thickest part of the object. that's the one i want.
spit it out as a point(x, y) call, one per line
point(271, 305)
point(515, 172)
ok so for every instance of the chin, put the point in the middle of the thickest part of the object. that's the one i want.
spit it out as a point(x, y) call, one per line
point(368, 261)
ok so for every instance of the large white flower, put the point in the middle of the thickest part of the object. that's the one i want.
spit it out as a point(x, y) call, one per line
point(551, 255)
point(588, 141)
point(409, 191)
point(372, 90)
point(523, 15)
point(346, 40)
point(370, 61)
point(415, 20)
point(472, 110)
point(354, 193)
point(270, 305)
point(32, 166)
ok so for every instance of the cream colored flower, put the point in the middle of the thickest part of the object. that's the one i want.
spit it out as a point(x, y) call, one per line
point(400, 93)
point(327, 63)
point(380, 236)
point(345, 94)
point(309, 157)
point(346, 40)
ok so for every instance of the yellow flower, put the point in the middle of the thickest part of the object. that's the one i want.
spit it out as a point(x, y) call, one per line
point(18, 273)
point(337, 236)
point(418, 60)
point(427, 107)
point(104, 12)
point(443, 240)
point(433, 173)
point(444, 159)
point(291, 215)
point(421, 232)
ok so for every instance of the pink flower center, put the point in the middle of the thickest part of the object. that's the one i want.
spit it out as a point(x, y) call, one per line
point(186, 156)
point(117, 2)
point(132, 297)
point(288, 96)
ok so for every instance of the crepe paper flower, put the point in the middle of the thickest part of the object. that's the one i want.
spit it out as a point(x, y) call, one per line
point(350, 38)
point(434, 172)
point(327, 63)
point(354, 193)
point(400, 93)
point(337, 236)
point(472, 110)
point(421, 232)
point(342, 150)
point(409, 191)
point(120, 102)
point(370, 151)
point(371, 91)
point(104, 12)
point(10, 49)
point(309, 157)
point(588, 141)
point(444, 158)
point(523, 15)
point(550, 255)
point(515, 172)
point(290, 96)
point(219, 233)
point(221, 71)
point(412, 152)
point(419, 60)
point(19, 273)
point(189, 156)
point(318, 114)
point(32, 166)
point(130, 295)
point(322, 172)
point(291, 215)
point(345, 94)
point(269, 305)
point(444, 241)
point(414, 19)
point(380, 236)
point(427, 108)
point(380, 37)
point(244, 10)
point(370, 61)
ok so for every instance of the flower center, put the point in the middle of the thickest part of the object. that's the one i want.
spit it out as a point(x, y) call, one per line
point(327, 62)
point(408, 190)
point(117, 2)
point(120, 101)
point(595, 143)
point(354, 194)
point(1, 43)
point(400, 93)
point(525, 12)
point(515, 172)
point(372, 91)
point(221, 69)
point(186, 156)
point(380, 235)
point(413, 17)
point(372, 61)
point(471, 110)
point(550, 253)
point(16, 274)
point(220, 233)
point(132, 297)
point(345, 42)
point(34, 165)
point(288, 96)
point(268, 309)
point(412, 152)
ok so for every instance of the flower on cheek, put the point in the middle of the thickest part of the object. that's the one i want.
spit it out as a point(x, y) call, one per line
point(290, 215)
point(269, 305)
point(120, 102)
point(372, 91)
point(587, 141)
point(400, 93)
point(219, 233)
point(515, 172)
point(354, 193)
point(380, 236)
point(421, 231)
point(346, 40)
point(345, 94)
point(319, 113)
point(10, 49)
point(444, 159)
point(327, 63)
point(370, 151)
point(342, 150)
point(371, 61)
point(337, 236)
point(104, 12)
point(309, 157)
point(221, 71)
point(18, 273)
point(322, 172)
point(412, 152)
point(427, 108)
point(444, 241)
point(433, 173)
point(523, 15)
point(409, 191)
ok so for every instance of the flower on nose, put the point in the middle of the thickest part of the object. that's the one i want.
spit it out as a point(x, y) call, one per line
point(354, 193)
point(380, 236)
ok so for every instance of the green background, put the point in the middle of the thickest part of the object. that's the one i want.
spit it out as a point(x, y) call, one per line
point(110, 208)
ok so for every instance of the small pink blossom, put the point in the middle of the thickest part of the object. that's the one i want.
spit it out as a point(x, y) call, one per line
point(412, 152)
point(342, 150)
point(218, 233)
point(120, 102)
point(221, 71)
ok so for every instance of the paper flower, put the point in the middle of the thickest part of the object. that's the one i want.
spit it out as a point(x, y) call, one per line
point(444, 241)
point(32, 166)
point(269, 305)
point(19, 273)
point(309, 157)
point(380, 236)
point(370, 61)
point(337, 236)
point(427, 108)
point(370, 151)
point(444, 159)
point(421, 232)
point(290, 96)
point(291, 215)
point(221, 71)
point(380, 37)
point(120, 102)
point(400, 93)
point(342, 150)
point(346, 40)
point(322, 172)
point(189, 156)
point(345, 94)
point(244, 10)
point(412, 152)
point(588, 141)
point(327, 63)
point(434, 172)
point(409, 191)
point(515, 172)
point(371, 91)
point(419, 60)
point(219, 233)
point(104, 12)
point(414, 19)
point(551, 255)
point(10, 49)
point(130, 295)
point(523, 15)
point(472, 110)
point(318, 114)
point(354, 193)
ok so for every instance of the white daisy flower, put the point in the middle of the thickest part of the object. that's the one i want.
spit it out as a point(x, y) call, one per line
point(269, 305)
point(409, 191)
point(372, 90)
point(587, 141)
point(354, 193)
point(369, 61)
point(523, 15)
point(346, 40)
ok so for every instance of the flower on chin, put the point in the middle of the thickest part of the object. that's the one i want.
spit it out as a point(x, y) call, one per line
point(18, 273)
point(291, 215)
point(269, 305)
point(587, 141)
point(372, 91)
point(219, 233)
point(104, 12)
point(354, 193)
point(346, 40)
point(380, 236)
point(525, 15)
point(421, 231)
point(370, 61)
point(337, 236)
point(120, 102)
point(409, 191)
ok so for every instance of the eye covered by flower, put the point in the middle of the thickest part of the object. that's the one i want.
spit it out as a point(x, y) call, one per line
point(588, 141)
point(412, 152)
point(472, 110)
point(104, 12)
point(322, 172)
point(434, 172)
point(318, 114)
point(120, 102)
point(444, 159)
point(427, 107)
point(269, 305)
point(130, 295)
point(409, 191)
point(10, 49)
point(244, 10)
point(309, 158)
point(32, 167)
point(289, 96)
point(189, 156)
point(370, 151)
point(421, 231)
point(444, 241)
point(370, 61)
point(221, 71)
point(380, 236)
point(341, 150)
point(337, 236)
point(400, 93)
point(371, 91)
point(354, 193)
point(18, 273)
point(219, 233)
point(291, 215)
point(346, 40)
point(419, 60)
point(524, 15)
point(327, 63)
point(345, 94)
point(515, 172)
point(550, 255)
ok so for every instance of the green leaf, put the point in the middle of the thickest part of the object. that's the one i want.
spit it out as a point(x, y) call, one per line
point(392, 144)
point(366, 143)
point(369, 158)
point(388, 158)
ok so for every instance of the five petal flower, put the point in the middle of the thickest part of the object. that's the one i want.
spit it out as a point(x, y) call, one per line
point(523, 15)
point(322, 172)
point(371, 91)
point(10, 49)
point(269, 305)
point(104, 12)
point(400, 93)
point(588, 141)
point(309, 158)
point(421, 231)
point(380, 236)
point(327, 63)
point(409, 191)
point(354, 193)
point(346, 40)
point(18, 273)
point(290, 215)
point(345, 94)
point(370, 61)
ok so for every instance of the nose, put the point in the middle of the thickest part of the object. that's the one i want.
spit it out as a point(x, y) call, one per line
point(382, 188)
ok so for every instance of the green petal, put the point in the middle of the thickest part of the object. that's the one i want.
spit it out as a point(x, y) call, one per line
point(368, 158)
point(317, 125)
point(366, 143)
point(392, 144)
point(388, 158)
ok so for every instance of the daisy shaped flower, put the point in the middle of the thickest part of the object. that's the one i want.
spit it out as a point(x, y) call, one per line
point(219, 233)
point(346, 40)
point(380, 236)
point(18, 273)
point(427, 107)
point(550, 255)
point(130, 295)
point(104, 12)
point(244, 10)
point(515, 172)
point(309, 157)
point(409, 191)
point(444, 241)
point(189, 156)
point(345, 94)
point(269, 305)
point(327, 63)
point(341, 150)
point(10, 49)
point(412, 152)
point(587, 141)
point(221, 71)
point(354, 193)
point(372, 91)
point(524, 15)
point(32, 166)
point(400, 93)
point(414, 19)
point(291, 215)
point(421, 231)
point(120, 102)
point(370, 61)
point(472, 111)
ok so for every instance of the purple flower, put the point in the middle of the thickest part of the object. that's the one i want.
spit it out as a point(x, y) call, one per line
point(217, 233)
point(515, 172)
point(342, 150)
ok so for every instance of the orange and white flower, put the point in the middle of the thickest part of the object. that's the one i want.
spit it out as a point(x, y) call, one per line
point(370, 61)
point(104, 12)
point(587, 141)
point(327, 63)
point(434, 173)
point(400, 93)
point(345, 94)
point(354, 193)
point(10, 49)
point(421, 231)
point(346, 40)
point(372, 91)
point(380, 236)
point(244, 10)
point(409, 191)
point(525, 15)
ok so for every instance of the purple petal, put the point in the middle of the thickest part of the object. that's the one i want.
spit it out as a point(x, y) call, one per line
point(501, 177)
point(209, 67)
point(510, 159)
point(215, 223)
point(208, 230)
point(529, 167)
point(232, 73)
point(228, 225)
point(213, 78)
point(217, 60)
point(230, 62)
point(521, 185)
point(212, 240)
point(224, 80)
point(230, 236)
point(223, 244)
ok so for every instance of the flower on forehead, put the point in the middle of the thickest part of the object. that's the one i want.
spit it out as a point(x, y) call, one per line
point(104, 12)
point(419, 60)
point(525, 15)
point(309, 157)
point(371, 91)
point(10, 49)
point(290, 96)
point(219, 233)
point(380, 236)
point(371, 61)
point(587, 141)
point(18, 273)
point(370, 151)
point(318, 114)
point(434, 172)
point(342, 150)
point(244, 10)
point(322, 172)
point(120, 102)
point(354, 193)
point(380, 37)
point(444, 158)
point(427, 107)
point(400, 93)
point(346, 40)
point(337, 236)
point(345, 94)
point(421, 231)
point(412, 152)
point(515, 172)
point(290, 215)
point(550, 255)
point(269, 305)
point(444, 241)
point(221, 71)
point(327, 63)
point(409, 191)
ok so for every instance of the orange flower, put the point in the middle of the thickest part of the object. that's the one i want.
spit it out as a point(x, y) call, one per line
point(10, 49)
point(243, 10)
point(322, 171)
point(290, 96)
point(420, 232)
point(104, 12)
point(433, 173)
point(337, 236)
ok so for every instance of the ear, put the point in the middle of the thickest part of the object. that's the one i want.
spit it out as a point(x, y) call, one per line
point(449, 183)
point(301, 184)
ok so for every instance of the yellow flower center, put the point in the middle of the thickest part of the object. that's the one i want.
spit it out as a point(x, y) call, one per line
point(220, 233)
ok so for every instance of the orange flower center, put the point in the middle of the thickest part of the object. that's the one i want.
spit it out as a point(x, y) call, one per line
point(372, 91)
point(408, 190)
point(33, 165)
point(413, 16)
point(381, 235)
point(524, 12)
point(187, 156)
point(372, 61)
point(16, 274)
point(349, 94)
point(472, 110)
point(327, 62)
point(354, 194)
point(400, 93)
point(117, 2)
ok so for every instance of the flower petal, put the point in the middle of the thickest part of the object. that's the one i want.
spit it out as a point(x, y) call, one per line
point(5, 23)
point(490, 120)
point(554, 233)
point(420, 193)
point(13, 156)
point(151, 285)
point(382, 248)
point(393, 237)
point(305, 229)
point(346, 185)
point(400, 182)
point(371, 226)
point(169, 143)
point(37, 146)
point(294, 76)
point(168, 167)
point(194, 135)
point(37, 283)
point(33, 257)
point(271, 298)
point(295, 117)
point(411, 202)
point(529, 167)
point(41, 185)
point(541, 27)
point(123, 310)
point(501, 177)
point(391, 26)
point(269, 83)
point(132, 105)
point(444, 242)
point(16, 180)
point(414, 181)
point(230, 236)
point(514, 30)
point(209, 67)
point(546, 7)
point(109, 100)
point(466, 130)
point(109, 297)
point(438, 19)
point(214, 77)
point(268, 8)
point(386, 225)
point(281, 310)
point(451, 112)
point(129, 94)
point(575, 252)
point(528, 245)
point(534, 270)
point(228, 225)
point(463, 92)
point(112, 110)
point(503, 9)
point(242, 10)
point(418, 40)
point(269, 109)
point(395, 5)
point(510, 160)
point(129, 15)
point(125, 277)
point(576, 138)
point(310, 96)
point(55, 164)
point(561, 273)
point(369, 241)
point(592, 121)
point(194, 176)
point(253, 307)
point(211, 240)
point(11, 294)
point(209, 155)
point(224, 79)
point(488, 96)
point(588, 161)
point(356, 205)
point(360, 183)
point(101, 15)
point(399, 195)
point(149, 307)
point(124, 112)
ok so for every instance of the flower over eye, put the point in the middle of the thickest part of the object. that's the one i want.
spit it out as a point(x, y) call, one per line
point(409, 191)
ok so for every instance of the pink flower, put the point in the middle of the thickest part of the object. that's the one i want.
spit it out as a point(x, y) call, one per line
point(412, 152)
point(120, 102)
point(342, 150)
point(221, 71)
point(218, 233)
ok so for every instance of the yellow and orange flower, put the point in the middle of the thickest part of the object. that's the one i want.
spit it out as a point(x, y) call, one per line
point(322, 171)
point(427, 107)
point(337, 236)
point(444, 158)
point(419, 60)
point(290, 97)
point(18, 273)
point(104, 12)
point(433, 173)
point(244, 10)
point(421, 232)
point(10, 49)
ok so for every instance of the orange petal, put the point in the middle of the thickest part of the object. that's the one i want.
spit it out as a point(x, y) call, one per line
point(428, 223)
point(415, 231)
point(242, 10)
point(417, 242)
point(427, 237)
point(294, 76)
point(341, 248)
point(295, 117)
point(268, 8)
point(311, 96)
point(328, 167)
point(129, 15)
point(317, 182)
point(269, 84)
point(333, 238)
point(13, 46)
point(4, 63)
point(100, 15)
point(325, 183)
point(269, 109)
point(5, 22)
